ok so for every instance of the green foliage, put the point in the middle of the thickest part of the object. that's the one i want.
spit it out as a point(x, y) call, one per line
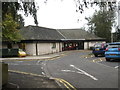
point(81, 4)
point(101, 24)
point(9, 31)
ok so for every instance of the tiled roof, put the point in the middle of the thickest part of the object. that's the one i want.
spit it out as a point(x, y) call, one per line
point(77, 34)
point(41, 33)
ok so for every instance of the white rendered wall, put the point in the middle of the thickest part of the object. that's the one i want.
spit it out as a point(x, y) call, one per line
point(87, 45)
point(43, 48)
point(46, 48)
point(30, 48)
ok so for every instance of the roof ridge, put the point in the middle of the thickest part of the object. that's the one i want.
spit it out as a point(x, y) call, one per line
point(60, 33)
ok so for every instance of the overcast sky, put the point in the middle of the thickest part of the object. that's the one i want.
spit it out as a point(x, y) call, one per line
point(59, 14)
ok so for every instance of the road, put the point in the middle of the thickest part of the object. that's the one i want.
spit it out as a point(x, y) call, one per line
point(76, 69)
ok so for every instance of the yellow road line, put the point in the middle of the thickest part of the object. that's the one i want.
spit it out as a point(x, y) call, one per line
point(65, 83)
point(97, 60)
point(25, 73)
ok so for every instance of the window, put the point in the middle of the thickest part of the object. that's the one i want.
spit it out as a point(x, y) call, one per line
point(22, 46)
point(9, 45)
point(54, 45)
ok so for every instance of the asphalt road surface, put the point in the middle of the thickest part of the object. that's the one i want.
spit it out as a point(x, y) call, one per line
point(79, 71)
point(84, 72)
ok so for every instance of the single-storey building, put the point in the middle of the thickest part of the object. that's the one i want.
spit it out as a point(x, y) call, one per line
point(40, 40)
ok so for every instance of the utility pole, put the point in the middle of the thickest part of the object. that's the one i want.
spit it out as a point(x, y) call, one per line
point(111, 37)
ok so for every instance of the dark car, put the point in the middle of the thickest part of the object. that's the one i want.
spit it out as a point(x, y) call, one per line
point(113, 51)
point(99, 49)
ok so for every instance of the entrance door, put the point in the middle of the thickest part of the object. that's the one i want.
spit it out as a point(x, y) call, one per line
point(81, 45)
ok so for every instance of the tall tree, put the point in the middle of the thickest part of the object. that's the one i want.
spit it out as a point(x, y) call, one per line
point(11, 18)
point(118, 34)
point(101, 24)
point(9, 29)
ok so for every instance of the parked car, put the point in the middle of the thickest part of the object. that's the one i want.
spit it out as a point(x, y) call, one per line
point(21, 53)
point(99, 49)
point(12, 52)
point(113, 51)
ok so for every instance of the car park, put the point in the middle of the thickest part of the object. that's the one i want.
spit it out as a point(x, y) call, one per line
point(113, 51)
point(99, 49)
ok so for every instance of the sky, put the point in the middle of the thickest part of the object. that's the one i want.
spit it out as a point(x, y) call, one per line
point(60, 14)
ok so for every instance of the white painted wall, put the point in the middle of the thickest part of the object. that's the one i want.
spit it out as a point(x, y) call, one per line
point(46, 48)
point(87, 45)
point(60, 46)
point(30, 48)
point(43, 48)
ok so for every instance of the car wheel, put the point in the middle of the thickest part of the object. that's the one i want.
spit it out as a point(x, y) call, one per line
point(107, 59)
point(96, 55)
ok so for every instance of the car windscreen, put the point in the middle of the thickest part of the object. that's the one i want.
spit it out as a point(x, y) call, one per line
point(114, 46)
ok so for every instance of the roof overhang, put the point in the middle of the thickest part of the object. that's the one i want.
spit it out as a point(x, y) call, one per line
point(72, 39)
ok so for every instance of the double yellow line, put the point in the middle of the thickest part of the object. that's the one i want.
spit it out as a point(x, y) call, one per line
point(65, 83)
point(97, 60)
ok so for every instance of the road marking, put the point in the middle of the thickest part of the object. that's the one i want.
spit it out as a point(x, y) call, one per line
point(43, 73)
point(41, 67)
point(72, 71)
point(15, 85)
point(26, 73)
point(13, 64)
point(116, 66)
point(65, 83)
point(98, 60)
point(84, 72)
point(38, 62)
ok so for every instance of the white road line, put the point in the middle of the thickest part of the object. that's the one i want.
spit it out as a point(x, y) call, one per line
point(38, 62)
point(71, 71)
point(41, 67)
point(84, 72)
point(13, 64)
point(116, 66)
point(43, 73)
point(15, 85)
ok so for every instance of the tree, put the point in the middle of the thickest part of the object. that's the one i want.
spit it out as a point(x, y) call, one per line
point(14, 7)
point(101, 24)
point(118, 34)
point(30, 8)
point(9, 29)
point(11, 20)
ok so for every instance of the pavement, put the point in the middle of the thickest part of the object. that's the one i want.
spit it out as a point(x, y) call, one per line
point(42, 57)
point(20, 80)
